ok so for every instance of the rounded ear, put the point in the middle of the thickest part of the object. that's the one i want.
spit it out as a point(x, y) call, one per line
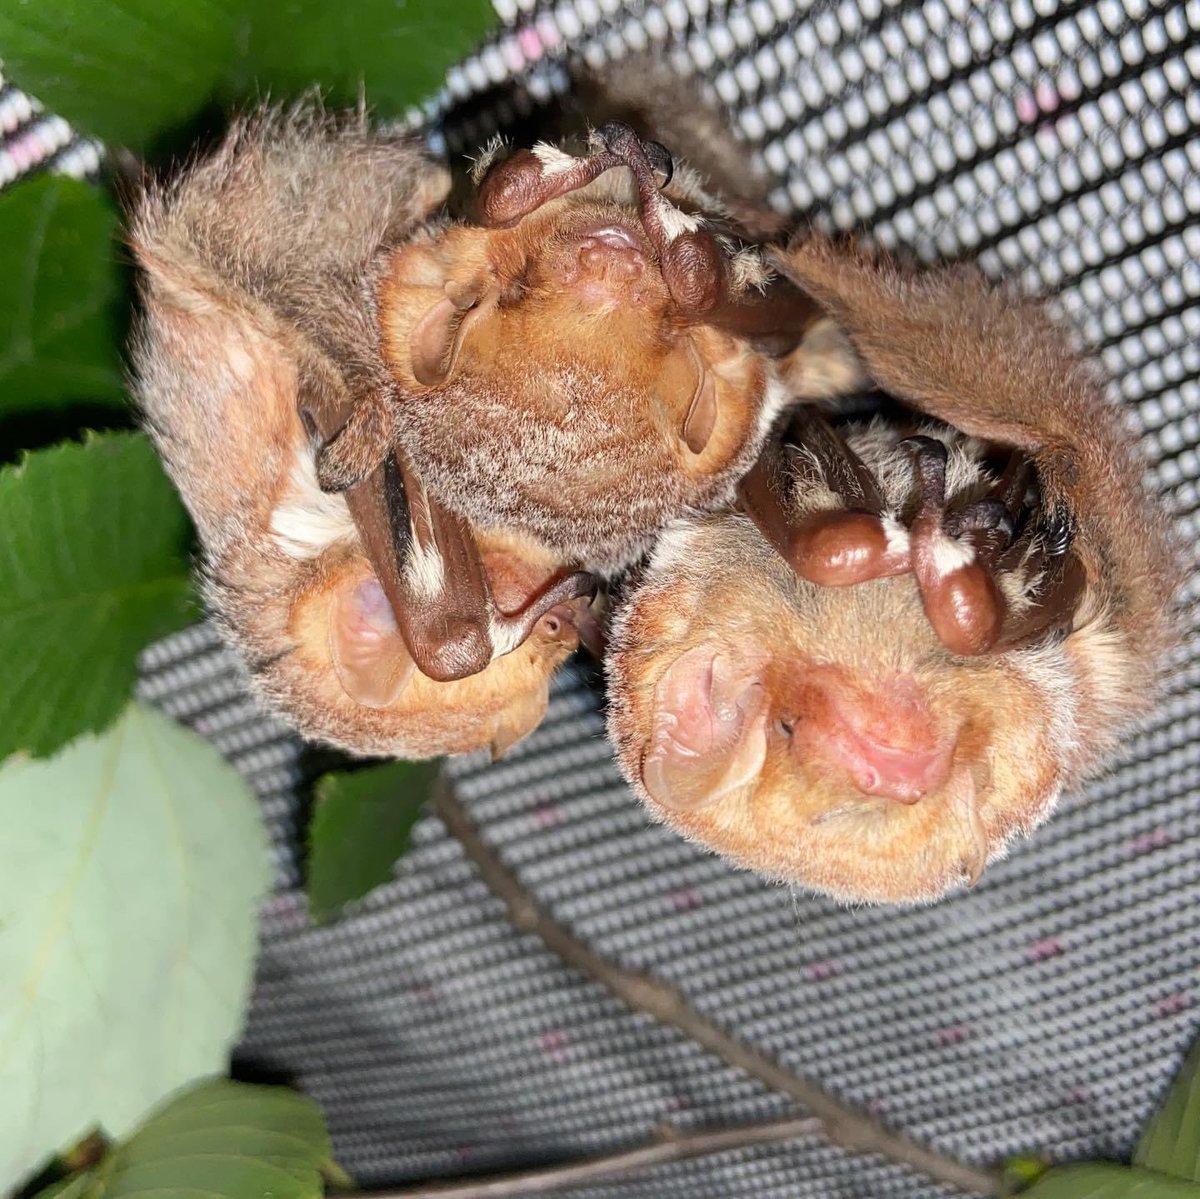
point(437, 338)
point(709, 733)
point(701, 418)
point(729, 391)
point(369, 656)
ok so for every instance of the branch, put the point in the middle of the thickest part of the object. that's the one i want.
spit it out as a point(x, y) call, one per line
point(673, 1146)
point(844, 1125)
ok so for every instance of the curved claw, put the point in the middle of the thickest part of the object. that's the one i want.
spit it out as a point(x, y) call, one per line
point(515, 628)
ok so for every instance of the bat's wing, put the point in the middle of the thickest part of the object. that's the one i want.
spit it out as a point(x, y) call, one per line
point(427, 561)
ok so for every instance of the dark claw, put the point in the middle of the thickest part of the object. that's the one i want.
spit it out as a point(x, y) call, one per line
point(983, 516)
point(661, 162)
point(929, 465)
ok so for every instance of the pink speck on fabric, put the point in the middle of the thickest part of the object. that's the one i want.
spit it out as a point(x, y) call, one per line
point(25, 151)
point(820, 971)
point(554, 1045)
point(530, 41)
point(955, 1034)
point(685, 899)
point(1152, 839)
point(547, 815)
point(1047, 947)
point(1172, 1005)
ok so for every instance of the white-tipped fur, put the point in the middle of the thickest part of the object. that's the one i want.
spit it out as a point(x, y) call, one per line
point(949, 554)
point(424, 571)
point(554, 161)
point(487, 156)
point(308, 520)
point(674, 222)
point(896, 535)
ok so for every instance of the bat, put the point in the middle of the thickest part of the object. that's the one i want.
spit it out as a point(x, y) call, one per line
point(914, 631)
point(376, 620)
point(304, 241)
point(582, 360)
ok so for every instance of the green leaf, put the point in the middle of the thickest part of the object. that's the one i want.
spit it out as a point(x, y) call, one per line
point(229, 1139)
point(1172, 1141)
point(225, 1138)
point(92, 568)
point(395, 54)
point(1106, 1180)
point(125, 70)
point(130, 71)
point(131, 868)
point(76, 1186)
point(62, 297)
point(361, 825)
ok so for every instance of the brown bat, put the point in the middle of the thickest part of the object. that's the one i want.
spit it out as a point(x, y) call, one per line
point(904, 647)
point(581, 362)
point(376, 620)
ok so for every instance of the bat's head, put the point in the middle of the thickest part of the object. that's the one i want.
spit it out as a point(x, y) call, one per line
point(349, 680)
point(826, 735)
point(551, 380)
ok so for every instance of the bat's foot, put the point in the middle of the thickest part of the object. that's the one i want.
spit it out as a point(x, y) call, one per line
point(953, 555)
point(561, 606)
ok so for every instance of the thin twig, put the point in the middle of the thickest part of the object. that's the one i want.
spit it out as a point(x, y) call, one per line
point(844, 1125)
point(673, 1146)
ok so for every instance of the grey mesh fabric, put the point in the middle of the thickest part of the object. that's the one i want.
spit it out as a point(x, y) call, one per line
point(1048, 1008)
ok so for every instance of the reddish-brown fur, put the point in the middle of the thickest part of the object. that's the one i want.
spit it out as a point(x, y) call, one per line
point(1020, 725)
point(252, 296)
point(564, 413)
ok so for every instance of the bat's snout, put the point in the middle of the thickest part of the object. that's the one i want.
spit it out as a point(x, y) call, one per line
point(885, 740)
point(607, 257)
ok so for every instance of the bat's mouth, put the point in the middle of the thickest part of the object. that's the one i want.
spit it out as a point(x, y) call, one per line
point(613, 235)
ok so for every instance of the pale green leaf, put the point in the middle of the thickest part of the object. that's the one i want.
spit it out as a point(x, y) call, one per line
point(131, 71)
point(130, 873)
point(62, 297)
point(1106, 1180)
point(361, 825)
point(92, 568)
point(1171, 1143)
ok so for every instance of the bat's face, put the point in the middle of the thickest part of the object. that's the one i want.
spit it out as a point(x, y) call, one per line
point(549, 385)
point(824, 736)
point(352, 682)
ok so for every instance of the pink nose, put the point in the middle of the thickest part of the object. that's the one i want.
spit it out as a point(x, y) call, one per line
point(611, 252)
point(902, 774)
point(884, 739)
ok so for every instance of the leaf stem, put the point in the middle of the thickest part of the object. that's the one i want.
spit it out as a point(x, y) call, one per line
point(672, 1145)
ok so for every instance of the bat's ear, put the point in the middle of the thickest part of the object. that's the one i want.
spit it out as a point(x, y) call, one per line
point(438, 337)
point(724, 385)
point(369, 656)
point(430, 296)
point(709, 733)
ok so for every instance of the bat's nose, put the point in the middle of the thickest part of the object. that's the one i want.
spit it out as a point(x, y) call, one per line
point(884, 739)
point(611, 252)
point(904, 774)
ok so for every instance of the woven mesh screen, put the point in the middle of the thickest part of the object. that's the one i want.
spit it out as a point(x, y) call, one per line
point(1046, 1009)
